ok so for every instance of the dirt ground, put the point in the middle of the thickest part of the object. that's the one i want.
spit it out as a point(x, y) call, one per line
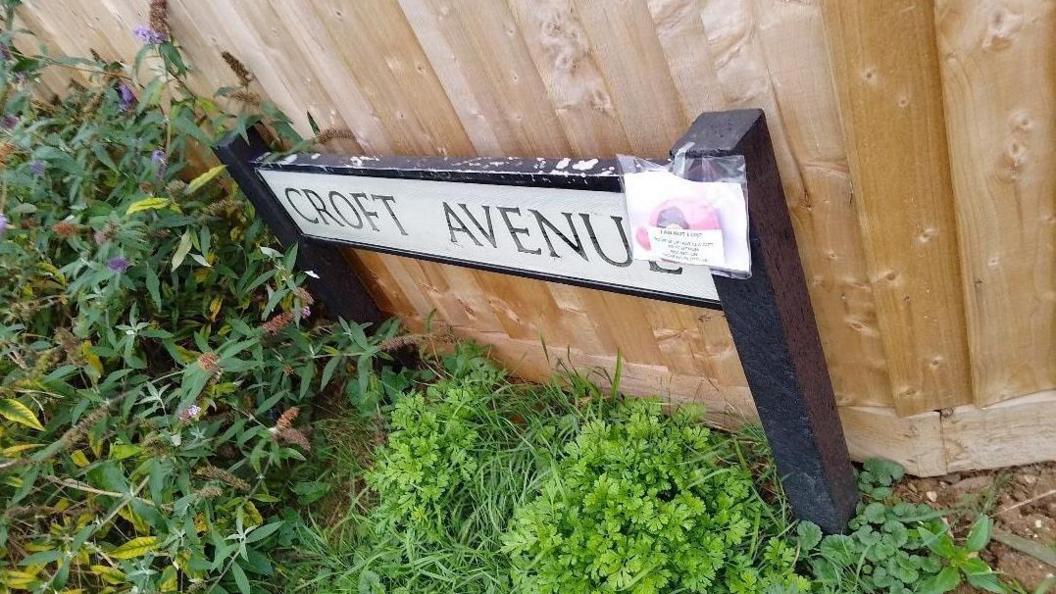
point(1022, 501)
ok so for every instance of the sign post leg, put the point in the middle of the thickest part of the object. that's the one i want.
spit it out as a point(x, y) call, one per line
point(337, 285)
point(773, 326)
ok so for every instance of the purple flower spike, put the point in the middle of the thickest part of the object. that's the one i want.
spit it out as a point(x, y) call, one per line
point(190, 413)
point(127, 98)
point(306, 312)
point(9, 122)
point(148, 35)
point(118, 264)
point(36, 167)
point(161, 161)
point(3, 224)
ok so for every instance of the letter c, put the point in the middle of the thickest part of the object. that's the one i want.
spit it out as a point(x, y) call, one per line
point(288, 190)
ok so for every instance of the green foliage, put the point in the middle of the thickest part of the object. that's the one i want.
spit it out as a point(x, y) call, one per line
point(962, 561)
point(895, 547)
point(459, 458)
point(154, 346)
point(644, 503)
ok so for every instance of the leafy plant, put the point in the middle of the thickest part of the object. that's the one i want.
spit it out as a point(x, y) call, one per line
point(155, 347)
point(962, 561)
point(460, 456)
point(644, 503)
point(895, 547)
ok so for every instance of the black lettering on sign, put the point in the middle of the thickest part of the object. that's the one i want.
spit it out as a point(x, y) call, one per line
point(320, 207)
point(655, 267)
point(452, 218)
point(337, 209)
point(387, 200)
point(294, 206)
point(490, 233)
point(597, 244)
point(370, 214)
point(576, 246)
point(515, 231)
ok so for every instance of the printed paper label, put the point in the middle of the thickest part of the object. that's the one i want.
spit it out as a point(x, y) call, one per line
point(687, 222)
point(688, 246)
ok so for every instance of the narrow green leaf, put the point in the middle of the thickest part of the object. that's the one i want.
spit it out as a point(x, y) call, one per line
point(153, 286)
point(240, 578)
point(263, 531)
point(329, 369)
point(979, 536)
point(988, 581)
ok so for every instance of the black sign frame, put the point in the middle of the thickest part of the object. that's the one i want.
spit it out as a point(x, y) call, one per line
point(770, 315)
point(603, 176)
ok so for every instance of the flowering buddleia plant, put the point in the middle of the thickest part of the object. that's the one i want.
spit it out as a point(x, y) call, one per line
point(146, 432)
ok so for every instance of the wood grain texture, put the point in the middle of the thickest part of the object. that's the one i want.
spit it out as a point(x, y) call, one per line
point(999, 80)
point(914, 141)
point(1004, 434)
point(771, 55)
point(915, 441)
point(886, 70)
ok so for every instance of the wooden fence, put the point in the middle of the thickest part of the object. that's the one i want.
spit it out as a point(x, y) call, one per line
point(915, 139)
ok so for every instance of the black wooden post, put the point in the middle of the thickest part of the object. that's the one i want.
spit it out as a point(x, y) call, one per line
point(337, 285)
point(773, 326)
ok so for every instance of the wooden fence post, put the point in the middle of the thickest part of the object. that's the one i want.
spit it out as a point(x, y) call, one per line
point(337, 284)
point(773, 326)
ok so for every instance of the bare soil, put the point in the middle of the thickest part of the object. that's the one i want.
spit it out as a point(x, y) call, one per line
point(1022, 501)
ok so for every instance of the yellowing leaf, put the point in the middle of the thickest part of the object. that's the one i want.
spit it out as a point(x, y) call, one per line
point(109, 574)
point(120, 451)
point(137, 547)
point(135, 519)
point(214, 308)
point(18, 579)
point(15, 450)
point(95, 442)
point(168, 581)
point(79, 459)
point(13, 481)
point(93, 360)
point(200, 523)
point(53, 271)
point(152, 203)
point(252, 515)
point(15, 411)
point(203, 179)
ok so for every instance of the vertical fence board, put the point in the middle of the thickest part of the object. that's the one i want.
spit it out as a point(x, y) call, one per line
point(350, 108)
point(489, 76)
point(999, 78)
point(624, 44)
point(887, 76)
point(558, 46)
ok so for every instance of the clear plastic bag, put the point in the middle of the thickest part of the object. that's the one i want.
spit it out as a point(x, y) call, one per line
point(691, 211)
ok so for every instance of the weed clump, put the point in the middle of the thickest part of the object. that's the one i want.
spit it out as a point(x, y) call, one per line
point(645, 503)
